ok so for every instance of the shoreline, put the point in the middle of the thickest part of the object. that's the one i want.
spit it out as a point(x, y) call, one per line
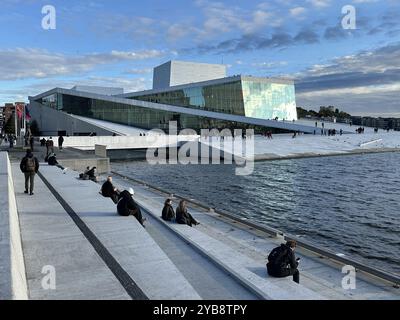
point(273, 157)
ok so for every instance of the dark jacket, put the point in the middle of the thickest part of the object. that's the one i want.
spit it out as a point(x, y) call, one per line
point(288, 260)
point(23, 164)
point(168, 213)
point(107, 190)
point(52, 160)
point(181, 216)
point(126, 204)
point(90, 173)
point(60, 140)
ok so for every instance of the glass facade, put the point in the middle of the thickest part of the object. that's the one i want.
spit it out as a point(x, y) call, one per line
point(264, 100)
point(130, 115)
point(254, 98)
point(224, 98)
point(250, 97)
point(53, 101)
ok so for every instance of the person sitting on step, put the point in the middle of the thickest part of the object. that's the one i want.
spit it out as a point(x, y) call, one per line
point(168, 213)
point(183, 216)
point(282, 261)
point(127, 206)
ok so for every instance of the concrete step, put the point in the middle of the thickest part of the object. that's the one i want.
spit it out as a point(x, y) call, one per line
point(319, 275)
point(124, 238)
point(247, 271)
point(51, 238)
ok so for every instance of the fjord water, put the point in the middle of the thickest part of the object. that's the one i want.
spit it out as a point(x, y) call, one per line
point(349, 204)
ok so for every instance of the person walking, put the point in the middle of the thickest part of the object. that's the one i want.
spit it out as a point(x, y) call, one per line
point(168, 213)
point(183, 216)
point(282, 261)
point(60, 142)
point(31, 142)
point(29, 166)
point(11, 140)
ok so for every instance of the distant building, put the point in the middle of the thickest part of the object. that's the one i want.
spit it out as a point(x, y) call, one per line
point(8, 111)
point(380, 123)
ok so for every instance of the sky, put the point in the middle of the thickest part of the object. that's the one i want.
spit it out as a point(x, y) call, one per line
point(118, 42)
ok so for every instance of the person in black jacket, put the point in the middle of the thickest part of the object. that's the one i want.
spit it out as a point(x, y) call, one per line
point(282, 262)
point(92, 174)
point(183, 216)
point(60, 142)
point(127, 206)
point(109, 191)
point(29, 166)
point(168, 213)
point(31, 142)
point(52, 161)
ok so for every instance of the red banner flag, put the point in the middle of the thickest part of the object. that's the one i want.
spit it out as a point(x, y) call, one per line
point(20, 109)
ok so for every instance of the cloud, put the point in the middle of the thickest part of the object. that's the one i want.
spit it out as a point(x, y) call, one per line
point(139, 71)
point(364, 82)
point(336, 32)
point(320, 3)
point(297, 12)
point(22, 63)
point(220, 18)
point(381, 101)
point(136, 27)
point(381, 61)
point(269, 65)
point(365, 1)
point(388, 23)
point(306, 36)
point(250, 42)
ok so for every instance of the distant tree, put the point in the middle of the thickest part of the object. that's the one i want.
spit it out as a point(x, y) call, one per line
point(344, 115)
point(324, 112)
point(301, 113)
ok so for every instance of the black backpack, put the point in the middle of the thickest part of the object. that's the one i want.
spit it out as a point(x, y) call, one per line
point(277, 256)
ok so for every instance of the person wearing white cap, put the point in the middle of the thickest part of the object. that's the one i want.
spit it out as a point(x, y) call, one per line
point(127, 206)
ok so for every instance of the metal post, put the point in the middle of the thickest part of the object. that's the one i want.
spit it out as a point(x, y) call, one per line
point(15, 119)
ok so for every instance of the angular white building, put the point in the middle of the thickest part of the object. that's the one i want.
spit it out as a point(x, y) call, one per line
point(175, 73)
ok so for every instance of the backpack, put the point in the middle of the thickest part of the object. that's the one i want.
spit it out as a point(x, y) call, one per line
point(30, 164)
point(277, 256)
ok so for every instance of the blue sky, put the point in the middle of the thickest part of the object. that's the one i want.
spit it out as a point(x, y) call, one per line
point(118, 42)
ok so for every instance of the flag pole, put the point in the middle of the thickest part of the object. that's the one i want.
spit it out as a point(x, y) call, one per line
point(16, 123)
